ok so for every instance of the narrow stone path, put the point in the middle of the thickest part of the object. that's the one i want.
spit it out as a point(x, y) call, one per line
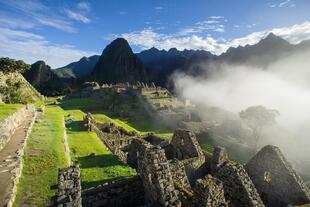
point(66, 144)
point(9, 158)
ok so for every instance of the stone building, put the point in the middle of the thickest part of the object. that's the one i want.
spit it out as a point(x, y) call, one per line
point(275, 179)
point(180, 173)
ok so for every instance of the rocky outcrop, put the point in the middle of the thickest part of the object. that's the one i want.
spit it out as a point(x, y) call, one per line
point(275, 179)
point(118, 64)
point(45, 80)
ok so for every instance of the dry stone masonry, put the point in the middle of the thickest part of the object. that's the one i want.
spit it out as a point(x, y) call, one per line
point(69, 187)
point(208, 192)
point(8, 125)
point(275, 179)
point(180, 173)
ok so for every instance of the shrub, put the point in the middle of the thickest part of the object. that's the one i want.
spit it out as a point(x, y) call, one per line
point(8, 65)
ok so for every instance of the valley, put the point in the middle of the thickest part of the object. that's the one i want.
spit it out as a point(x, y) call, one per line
point(122, 132)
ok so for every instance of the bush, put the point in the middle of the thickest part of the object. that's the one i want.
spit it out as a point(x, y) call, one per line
point(8, 65)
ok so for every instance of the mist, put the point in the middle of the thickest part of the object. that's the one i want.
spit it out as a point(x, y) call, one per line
point(283, 85)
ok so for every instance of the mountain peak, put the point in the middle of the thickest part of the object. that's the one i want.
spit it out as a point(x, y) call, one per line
point(271, 38)
point(118, 63)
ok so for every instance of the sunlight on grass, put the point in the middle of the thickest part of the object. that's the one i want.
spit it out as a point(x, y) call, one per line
point(8, 109)
point(44, 154)
point(97, 163)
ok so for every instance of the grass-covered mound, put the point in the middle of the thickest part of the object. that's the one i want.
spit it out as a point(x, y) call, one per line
point(97, 163)
point(44, 154)
point(8, 109)
point(130, 123)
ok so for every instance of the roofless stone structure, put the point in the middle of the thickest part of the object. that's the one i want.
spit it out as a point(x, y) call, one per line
point(180, 173)
point(275, 179)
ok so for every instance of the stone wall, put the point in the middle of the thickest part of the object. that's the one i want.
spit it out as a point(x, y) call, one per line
point(185, 145)
point(178, 173)
point(17, 171)
point(8, 125)
point(155, 174)
point(69, 187)
point(124, 192)
point(275, 179)
point(209, 192)
point(238, 187)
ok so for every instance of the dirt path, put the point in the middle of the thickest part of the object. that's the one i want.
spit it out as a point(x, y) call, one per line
point(8, 157)
point(66, 144)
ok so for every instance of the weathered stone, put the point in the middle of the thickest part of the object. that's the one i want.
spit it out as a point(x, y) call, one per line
point(275, 179)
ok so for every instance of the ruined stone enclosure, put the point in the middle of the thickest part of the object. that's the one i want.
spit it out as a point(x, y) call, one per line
point(180, 173)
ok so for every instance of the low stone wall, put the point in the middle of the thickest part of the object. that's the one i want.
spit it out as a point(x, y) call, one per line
point(17, 171)
point(124, 192)
point(69, 187)
point(8, 125)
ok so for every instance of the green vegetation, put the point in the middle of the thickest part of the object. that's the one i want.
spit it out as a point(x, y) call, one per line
point(139, 125)
point(97, 163)
point(8, 65)
point(44, 154)
point(8, 109)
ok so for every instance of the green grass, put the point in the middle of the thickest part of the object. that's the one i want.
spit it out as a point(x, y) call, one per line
point(97, 163)
point(44, 154)
point(140, 125)
point(8, 109)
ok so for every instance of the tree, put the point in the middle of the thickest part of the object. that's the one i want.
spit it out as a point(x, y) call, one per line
point(257, 118)
point(8, 65)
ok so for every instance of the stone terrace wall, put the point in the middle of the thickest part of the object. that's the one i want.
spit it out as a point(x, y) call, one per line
point(125, 192)
point(275, 178)
point(108, 141)
point(8, 126)
point(16, 173)
point(69, 187)
point(238, 187)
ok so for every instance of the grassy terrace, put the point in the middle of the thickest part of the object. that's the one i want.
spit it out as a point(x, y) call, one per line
point(97, 163)
point(8, 109)
point(131, 123)
point(44, 154)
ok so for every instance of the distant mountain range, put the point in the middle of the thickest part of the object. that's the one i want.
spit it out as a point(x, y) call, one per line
point(78, 69)
point(118, 63)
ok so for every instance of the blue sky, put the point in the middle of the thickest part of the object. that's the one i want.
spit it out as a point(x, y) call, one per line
point(60, 32)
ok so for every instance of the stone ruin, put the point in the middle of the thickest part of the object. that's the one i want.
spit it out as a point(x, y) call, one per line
point(180, 173)
point(275, 179)
point(69, 187)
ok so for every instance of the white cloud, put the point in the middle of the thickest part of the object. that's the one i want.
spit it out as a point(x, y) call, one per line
point(216, 17)
point(284, 3)
point(84, 6)
point(158, 8)
point(148, 37)
point(31, 48)
point(16, 23)
point(77, 16)
point(38, 15)
point(214, 23)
